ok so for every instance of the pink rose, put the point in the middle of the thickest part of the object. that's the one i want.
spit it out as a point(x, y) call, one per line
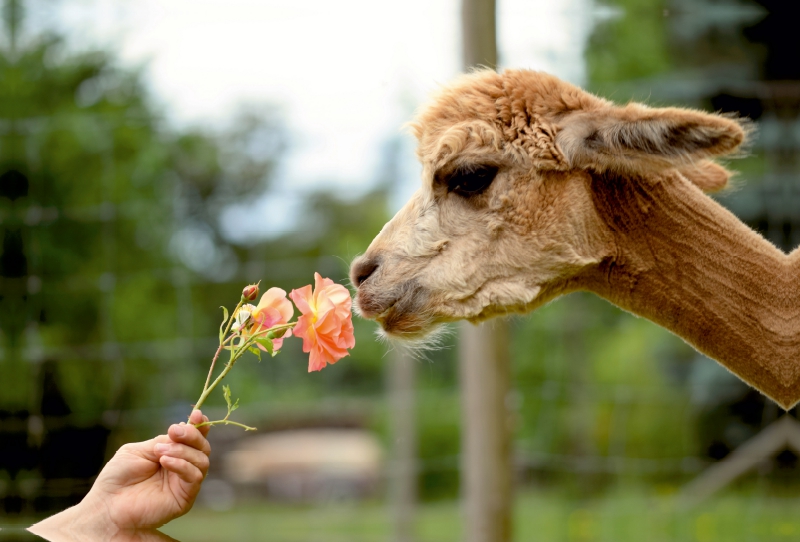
point(326, 324)
point(273, 310)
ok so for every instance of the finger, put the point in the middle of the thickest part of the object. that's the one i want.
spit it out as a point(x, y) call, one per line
point(198, 417)
point(190, 435)
point(186, 471)
point(206, 428)
point(187, 453)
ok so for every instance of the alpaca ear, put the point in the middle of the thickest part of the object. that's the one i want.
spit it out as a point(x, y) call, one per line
point(706, 175)
point(636, 138)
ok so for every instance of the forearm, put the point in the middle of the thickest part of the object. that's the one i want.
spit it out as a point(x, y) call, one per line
point(86, 521)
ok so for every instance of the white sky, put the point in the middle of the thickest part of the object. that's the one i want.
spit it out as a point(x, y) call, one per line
point(347, 74)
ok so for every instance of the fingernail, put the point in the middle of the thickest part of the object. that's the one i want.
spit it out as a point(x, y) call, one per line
point(161, 448)
point(179, 430)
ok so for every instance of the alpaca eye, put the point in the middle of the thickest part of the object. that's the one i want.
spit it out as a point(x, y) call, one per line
point(471, 181)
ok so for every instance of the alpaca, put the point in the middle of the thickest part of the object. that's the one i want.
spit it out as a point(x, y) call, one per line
point(533, 188)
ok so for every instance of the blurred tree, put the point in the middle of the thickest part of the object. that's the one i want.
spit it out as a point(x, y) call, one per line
point(631, 44)
point(93, 304)
point(730, 57)
point(216, 169)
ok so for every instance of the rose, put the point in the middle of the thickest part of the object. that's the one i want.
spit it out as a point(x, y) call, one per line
point(273, 310)
point(250, 292)
point(326, 324)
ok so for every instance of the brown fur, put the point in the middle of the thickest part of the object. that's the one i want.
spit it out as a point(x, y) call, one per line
point(588, 196)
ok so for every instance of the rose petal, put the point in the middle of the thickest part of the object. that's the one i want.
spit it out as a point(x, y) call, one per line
point(303, 299)
point(276, 299)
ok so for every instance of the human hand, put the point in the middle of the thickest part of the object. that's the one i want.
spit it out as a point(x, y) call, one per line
point(145, 485)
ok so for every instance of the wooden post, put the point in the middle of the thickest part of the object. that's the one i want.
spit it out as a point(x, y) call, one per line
point(486, 467)
point(403, 466)
point(479, 33)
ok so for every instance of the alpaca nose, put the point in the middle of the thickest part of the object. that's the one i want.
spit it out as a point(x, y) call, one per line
point(362, 269)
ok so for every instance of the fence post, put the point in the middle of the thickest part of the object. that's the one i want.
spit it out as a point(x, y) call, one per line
point(403, 460)
point(486, 470)
point(486, 467)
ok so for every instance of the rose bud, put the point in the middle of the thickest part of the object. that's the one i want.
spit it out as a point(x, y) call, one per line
point(250, 292)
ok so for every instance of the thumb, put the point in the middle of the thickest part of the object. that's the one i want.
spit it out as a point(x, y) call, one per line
point(145, 449)
point(197, 417)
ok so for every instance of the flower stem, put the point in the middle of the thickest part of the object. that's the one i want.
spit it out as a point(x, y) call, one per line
point(225, 371)
point(227, 422)
point(222, 344)
point(280, 327)
point(214, 361)
point(235, 355)
point(206, 390)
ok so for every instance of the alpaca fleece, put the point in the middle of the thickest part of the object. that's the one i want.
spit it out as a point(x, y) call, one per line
point(591, 196)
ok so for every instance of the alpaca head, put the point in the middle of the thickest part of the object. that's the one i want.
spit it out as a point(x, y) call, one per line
point(504, 220)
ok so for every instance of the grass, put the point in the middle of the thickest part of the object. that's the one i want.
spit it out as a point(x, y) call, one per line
point(623, 516)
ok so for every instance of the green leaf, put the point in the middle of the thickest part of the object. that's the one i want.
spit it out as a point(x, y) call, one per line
point(226, 393)
point(222, 325)
point(266, 343)
point(255, 351)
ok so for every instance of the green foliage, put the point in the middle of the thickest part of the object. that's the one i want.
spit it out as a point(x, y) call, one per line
point(84, 167)
point(439, 430)
point(592, 384)
point(94, 188)
point(631, 46)
point(704, 55)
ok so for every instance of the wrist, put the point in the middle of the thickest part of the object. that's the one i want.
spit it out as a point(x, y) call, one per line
point(88, 519)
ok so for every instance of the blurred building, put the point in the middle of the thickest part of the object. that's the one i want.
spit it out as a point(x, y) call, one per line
point(307, 465)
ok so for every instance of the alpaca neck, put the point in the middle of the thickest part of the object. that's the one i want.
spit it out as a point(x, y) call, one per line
point(686, 263)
